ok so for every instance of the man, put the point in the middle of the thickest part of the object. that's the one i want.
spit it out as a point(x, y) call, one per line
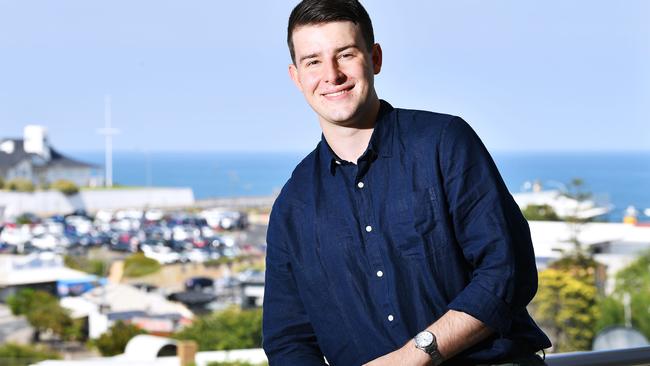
point(395, 242)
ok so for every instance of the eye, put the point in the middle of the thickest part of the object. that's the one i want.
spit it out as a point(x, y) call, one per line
point(311, 63)
point(346, 55)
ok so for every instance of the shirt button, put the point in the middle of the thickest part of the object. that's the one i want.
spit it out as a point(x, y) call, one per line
point(360, 184)
point(391, 318)
point(368, 228)
point(380, 274)
point(338, 162)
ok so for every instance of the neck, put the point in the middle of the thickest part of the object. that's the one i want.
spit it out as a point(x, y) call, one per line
point(350, 141)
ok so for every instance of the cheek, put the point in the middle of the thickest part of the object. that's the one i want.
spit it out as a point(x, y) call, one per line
point(310, 82)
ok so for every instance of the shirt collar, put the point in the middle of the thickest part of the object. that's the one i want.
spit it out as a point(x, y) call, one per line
point(381, 143)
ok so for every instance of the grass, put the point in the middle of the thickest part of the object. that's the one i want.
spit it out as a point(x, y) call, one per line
point(137, 265)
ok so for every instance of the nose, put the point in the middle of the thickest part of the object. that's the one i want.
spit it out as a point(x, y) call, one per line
point(333, 73)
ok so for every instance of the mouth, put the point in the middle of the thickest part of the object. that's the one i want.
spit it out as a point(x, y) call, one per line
point(338, 92)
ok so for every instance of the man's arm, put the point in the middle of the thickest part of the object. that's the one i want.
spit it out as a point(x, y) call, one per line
point(454, 332)
point(489, 228)
point(495, 241)
point(288, 337)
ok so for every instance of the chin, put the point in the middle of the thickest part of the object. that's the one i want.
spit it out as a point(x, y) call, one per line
point(341, 119)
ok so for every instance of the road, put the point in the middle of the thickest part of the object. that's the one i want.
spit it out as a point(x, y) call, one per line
point(12, 328)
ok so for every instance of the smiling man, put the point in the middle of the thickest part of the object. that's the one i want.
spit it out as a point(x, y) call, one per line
point(395, 242)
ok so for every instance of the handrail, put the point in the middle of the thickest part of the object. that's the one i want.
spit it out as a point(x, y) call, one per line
point(639, 356)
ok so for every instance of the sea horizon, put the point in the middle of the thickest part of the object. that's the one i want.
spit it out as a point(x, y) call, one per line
point(617, 178)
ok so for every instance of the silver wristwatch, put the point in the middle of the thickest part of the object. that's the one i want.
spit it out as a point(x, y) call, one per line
point(426, 341)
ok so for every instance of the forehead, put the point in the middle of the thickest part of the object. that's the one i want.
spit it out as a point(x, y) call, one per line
point(321, 37)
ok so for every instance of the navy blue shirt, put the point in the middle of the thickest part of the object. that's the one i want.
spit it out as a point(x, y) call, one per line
point(361, 257)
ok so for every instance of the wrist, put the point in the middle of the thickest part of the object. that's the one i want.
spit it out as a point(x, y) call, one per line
point(427, 344)
point(414, 355)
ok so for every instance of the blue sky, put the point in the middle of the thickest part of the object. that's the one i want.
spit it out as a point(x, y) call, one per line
point(211, 75)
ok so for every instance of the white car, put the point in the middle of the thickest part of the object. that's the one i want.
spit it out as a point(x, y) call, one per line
point(49, 241)
point(162, 254)
point(14, 234)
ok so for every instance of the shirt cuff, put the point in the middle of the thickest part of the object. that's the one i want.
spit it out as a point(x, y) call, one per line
point(484, 306)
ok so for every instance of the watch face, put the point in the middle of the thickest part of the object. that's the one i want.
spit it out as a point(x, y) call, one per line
point(424, 339)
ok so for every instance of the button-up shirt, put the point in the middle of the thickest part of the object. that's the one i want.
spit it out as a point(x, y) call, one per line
point(361, 257)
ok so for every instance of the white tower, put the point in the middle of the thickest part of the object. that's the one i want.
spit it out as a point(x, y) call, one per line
point(35, 141)
point(108, 133)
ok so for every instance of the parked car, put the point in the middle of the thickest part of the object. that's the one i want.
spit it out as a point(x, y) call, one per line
point(199, 284)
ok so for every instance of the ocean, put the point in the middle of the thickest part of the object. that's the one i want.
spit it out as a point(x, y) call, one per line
point(619, 179)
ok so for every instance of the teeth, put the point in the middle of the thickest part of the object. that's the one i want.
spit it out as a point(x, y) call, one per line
point(336, 94)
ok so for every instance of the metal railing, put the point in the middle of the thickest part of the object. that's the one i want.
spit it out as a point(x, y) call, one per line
point(639, 356)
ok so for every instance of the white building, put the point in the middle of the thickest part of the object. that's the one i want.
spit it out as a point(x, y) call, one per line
point(34, 159)
point(42, 271)
point(105, 305)
point(615, 245)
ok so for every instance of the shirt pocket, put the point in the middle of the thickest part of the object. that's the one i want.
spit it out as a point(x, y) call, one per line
point(417, 225)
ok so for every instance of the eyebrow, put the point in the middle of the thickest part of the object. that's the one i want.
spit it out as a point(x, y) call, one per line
point(316, 54)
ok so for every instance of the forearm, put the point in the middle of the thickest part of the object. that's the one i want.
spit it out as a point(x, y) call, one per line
point(455, 331)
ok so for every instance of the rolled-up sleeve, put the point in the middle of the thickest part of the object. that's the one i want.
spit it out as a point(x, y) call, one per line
point(288, 337)
point(490, 229)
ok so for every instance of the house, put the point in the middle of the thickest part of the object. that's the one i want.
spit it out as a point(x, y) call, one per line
point(42, 271)
point(34, 159)
point(105, 305)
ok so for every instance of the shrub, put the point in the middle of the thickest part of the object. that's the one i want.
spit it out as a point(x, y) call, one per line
point(20, 185)
point(2, 183)
point(137, 265)
point(114, 341)
point(22, 355)
point(66, 187)
point(27, 219)
point(97, 267)
point(540, 213)
point(219, 261)
point(231, 328)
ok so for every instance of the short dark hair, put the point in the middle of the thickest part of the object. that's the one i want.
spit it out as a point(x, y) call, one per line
point(325, 11)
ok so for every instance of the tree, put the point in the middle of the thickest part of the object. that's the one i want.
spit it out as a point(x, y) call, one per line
point(576, 190)
point(540, 213)
point(231, 328)
point(56, 319)
point(21, 302)
point(581, 265)
point(566, 307)
point(632, 281)
point(44, 313)
point(114, 341)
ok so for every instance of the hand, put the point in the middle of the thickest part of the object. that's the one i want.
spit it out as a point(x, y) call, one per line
point(408, 355)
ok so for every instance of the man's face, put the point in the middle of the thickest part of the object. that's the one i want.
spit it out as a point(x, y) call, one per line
point(335, 71)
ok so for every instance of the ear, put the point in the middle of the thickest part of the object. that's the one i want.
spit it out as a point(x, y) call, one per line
point(293, 74)
point(376, 58)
